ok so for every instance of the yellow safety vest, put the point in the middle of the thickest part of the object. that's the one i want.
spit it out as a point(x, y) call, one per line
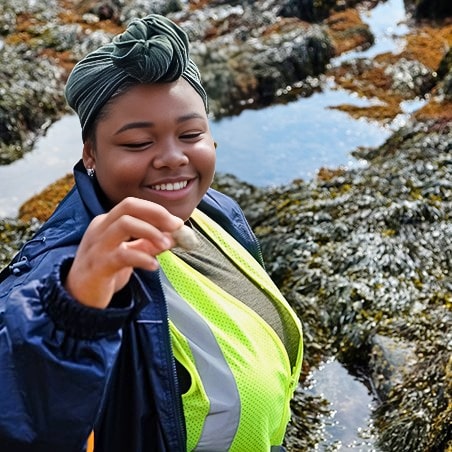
point(241, 377)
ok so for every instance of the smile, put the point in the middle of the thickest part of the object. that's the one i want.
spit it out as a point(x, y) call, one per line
point(170, 187)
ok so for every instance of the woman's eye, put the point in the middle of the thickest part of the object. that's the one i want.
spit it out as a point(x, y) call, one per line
point(191, 135)
point(137, 146)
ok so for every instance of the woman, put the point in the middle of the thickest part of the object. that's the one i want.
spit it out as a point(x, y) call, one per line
point(107, 326)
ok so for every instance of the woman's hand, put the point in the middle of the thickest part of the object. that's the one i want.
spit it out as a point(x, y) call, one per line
point(128, 236)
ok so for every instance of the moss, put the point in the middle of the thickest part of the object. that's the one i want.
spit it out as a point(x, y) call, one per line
point(428, 44)
point(43, 204)
point(381, 113)
point(327, 174)
point(436, 109)
point(347, 31)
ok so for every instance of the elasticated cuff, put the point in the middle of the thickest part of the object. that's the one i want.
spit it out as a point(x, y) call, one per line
point(76, 319)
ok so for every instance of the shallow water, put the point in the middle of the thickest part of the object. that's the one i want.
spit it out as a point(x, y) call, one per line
point(281, 143)
point(349, 427)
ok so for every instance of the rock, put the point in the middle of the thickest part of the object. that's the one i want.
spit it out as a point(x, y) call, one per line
point(364, 257)
point(410, 78)
point(309, 10)
point(390, 360)
point(445, 73)
point(30, 99)
point(433, 9)
point(141, 8)
point(445, 66)
point(247, 56)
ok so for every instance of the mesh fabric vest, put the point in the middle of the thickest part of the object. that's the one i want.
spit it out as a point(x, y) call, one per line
point(241, 376)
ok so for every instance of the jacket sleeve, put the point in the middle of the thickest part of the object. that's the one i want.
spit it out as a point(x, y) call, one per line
point(56, 357)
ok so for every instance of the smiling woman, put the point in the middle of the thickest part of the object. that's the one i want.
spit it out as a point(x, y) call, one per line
point(143, 339)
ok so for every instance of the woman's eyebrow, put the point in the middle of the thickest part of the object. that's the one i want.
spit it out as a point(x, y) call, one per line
point(189, 116)
point(147, 124)
point(135, 125)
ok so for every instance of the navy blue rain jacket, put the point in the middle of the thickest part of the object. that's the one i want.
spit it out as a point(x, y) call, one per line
point(65, 368)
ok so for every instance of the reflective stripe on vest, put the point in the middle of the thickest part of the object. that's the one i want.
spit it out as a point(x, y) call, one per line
point(241, 380)
point(224, 400)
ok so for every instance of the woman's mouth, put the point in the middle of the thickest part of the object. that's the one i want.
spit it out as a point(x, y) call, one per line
point(173, 186)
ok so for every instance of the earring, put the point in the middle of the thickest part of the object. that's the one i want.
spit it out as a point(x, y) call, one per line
point(90, 172)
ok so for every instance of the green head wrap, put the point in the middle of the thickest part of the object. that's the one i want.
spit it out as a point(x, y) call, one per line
point(150, 50)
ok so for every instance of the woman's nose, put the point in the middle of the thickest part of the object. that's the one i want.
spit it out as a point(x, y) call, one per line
point(171, 155)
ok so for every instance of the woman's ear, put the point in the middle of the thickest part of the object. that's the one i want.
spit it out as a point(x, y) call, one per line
point(88, 154)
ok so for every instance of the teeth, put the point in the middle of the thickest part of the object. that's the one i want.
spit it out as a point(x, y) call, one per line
point(171, 187)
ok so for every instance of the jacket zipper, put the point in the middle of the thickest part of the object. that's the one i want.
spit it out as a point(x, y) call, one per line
point(175, 393)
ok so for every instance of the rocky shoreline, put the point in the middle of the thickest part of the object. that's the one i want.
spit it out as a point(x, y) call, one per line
point(364, 255)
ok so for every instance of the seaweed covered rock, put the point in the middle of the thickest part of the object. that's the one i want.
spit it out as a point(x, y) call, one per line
point(29, 102)
point(29, 84)
point(312, 10)
point(30, 81)
point(309, 10)
point(246, 53)
point(432, 9)
point(122, 11)
point(410, 78)
point(248, 56)
point(13, 233)
point(366, 254)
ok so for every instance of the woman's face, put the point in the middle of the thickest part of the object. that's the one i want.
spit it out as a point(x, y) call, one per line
point(153, 142)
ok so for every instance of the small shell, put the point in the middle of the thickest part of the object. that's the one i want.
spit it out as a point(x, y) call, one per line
point(185, 238)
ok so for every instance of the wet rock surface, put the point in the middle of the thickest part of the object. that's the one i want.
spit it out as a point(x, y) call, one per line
point(363, 255)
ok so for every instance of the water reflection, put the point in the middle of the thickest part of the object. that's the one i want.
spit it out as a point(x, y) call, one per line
point(351, 402)
point(281, 143)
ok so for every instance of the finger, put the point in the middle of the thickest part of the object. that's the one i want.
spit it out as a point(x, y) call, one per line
point(137, 254)
point(147, 211)
point(128, 228)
